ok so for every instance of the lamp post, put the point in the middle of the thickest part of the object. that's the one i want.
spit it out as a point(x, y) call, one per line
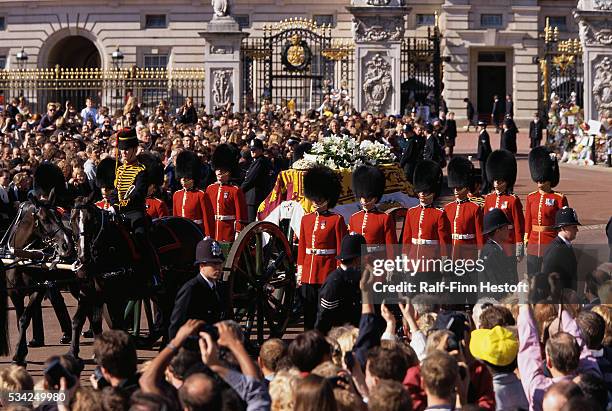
point(22, 61)
point(117, 57)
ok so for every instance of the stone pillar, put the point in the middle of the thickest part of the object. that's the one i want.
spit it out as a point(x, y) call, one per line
point(595, 21)
point(222, 65)
point(378, 29)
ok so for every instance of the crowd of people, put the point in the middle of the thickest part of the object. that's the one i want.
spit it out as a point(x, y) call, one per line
point(499, 354)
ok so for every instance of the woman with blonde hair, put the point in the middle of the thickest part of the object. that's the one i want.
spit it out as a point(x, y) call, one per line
point(282, 389)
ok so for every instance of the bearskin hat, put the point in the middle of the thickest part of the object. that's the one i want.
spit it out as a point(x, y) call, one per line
point(105, 173)
point(224, 158)
point(188, 166)
point(543, 166)
point(460, 172)
point(154, 168)
point(427, 177)
point(501, 165)
point(368, 182)
point(47, 177)
point(322, 183)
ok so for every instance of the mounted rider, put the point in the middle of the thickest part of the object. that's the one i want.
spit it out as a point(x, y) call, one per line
point(129, 196)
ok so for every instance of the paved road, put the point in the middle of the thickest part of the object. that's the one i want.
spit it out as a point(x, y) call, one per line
point(588, 190)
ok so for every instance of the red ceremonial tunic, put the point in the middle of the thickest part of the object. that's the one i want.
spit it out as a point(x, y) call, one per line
point(378, 228)
point(229, 207)
point(511, 205)
point(426, 232)
point(156, 208)
point(540, 212)
point(321, 236)
point(465, 219)
point(103, 204)
point(194, 205)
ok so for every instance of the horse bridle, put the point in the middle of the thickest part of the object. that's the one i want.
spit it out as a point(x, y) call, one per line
point(102, 217)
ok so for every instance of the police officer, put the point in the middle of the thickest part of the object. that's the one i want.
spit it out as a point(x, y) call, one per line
point(227, 200)
point(191, 202)
point(559, 256)
point(340, 296)
point(155, 206)
point(129, 197)
point(200, 298)
point(465, 216)
point(257, 179)
point(484, 150)
point(501, 170)
point(499, 268)
point(377, 227)
point(105, 181)
point(321, 234)
point(426, 228)
point(542, 206)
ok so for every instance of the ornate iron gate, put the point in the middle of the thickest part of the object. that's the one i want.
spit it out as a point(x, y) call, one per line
point(560, 71)
point(296, 61)
point(421, 73)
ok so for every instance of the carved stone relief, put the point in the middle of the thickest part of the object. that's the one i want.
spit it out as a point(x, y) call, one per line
point(222, 87)
point(602, 83)
point(378, 28)
point(602, 4)
point(596, 32)
point(377, 84)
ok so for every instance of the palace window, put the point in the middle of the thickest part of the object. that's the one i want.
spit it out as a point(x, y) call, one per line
point(2, 62)
point(491, 20)
point(491, 57)
point(155, 60)
point(558, 21)
point(244, 20)
point(2, 23)
point(425, 20)
point(155, 21)
point(326, 19)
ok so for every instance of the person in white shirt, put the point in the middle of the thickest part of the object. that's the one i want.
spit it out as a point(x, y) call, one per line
point(89, 112)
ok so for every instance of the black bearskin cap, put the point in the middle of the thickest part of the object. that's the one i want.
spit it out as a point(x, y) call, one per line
point(501, 165)
point(543, 166)
point(105, 173)
point(368, 182)
point(427, 177)
point(224, 158)
point(47, 177)
point(154, 168)
point(322, 183)
point(188, 166)
point(460, 172)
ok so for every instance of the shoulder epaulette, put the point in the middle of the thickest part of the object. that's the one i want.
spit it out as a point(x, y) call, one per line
point(533, 192)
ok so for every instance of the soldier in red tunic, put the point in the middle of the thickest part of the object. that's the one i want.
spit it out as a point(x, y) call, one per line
point(190, 202)
point(228, 203)
point(377, 227)
point(542, 206)
point(105, 180)
point(321, 234)
point(501, 170)
point(154, 168)
point(464, 215)
point(426, 228)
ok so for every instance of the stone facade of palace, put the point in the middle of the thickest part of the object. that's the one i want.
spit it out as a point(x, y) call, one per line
point(488, 43)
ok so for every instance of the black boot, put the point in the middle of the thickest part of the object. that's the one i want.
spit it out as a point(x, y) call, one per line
point(609, 162)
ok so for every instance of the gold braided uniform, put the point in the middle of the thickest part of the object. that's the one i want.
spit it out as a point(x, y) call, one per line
point(130, 187)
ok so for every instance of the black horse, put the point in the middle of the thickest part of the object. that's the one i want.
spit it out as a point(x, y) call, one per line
point(109, 259)
point(37, 233)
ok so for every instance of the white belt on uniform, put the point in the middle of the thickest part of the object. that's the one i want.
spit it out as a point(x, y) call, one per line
point(225, 217)
point(463, 236)
point(422, 241)
point(321, 251)
point(375, 248)
point(198, 221)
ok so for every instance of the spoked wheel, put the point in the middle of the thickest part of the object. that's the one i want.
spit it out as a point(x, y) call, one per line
point(261, 280)
point(399, 216)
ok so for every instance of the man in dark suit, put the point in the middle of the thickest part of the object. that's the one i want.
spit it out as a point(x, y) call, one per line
point(257, 180)
point(497, 112)
point(499, 268)
point(484, 150)
point(560, 257)
point(412, 152)
point(536, 126)
point(469, 113)
point(432, 150)
point(509, 106)
point(450, 135)
point(508, 136)
point(199, 297)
